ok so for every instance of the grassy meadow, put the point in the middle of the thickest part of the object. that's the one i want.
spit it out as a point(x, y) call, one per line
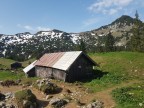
point(115, 68)
point(7, 74)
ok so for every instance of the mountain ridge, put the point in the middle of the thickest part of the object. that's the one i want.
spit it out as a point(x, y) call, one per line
point(28, 45)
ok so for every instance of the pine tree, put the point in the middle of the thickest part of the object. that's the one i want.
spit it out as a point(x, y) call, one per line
point(109, 43)
point(137, 40)
point(82, 46)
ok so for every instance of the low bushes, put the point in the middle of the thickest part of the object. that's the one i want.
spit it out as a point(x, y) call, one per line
point(8, 83)
point(129, 97)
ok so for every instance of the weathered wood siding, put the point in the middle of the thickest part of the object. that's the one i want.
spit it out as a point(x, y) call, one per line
point(80, 69)
point(43, 72)
point(59, 74)
point(46, 72)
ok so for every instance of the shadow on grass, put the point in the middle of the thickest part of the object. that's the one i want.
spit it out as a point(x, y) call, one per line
point(96, 74)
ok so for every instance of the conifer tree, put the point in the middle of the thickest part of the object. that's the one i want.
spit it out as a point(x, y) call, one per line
point(137, 40)
point(109, 43)
point(82, 46)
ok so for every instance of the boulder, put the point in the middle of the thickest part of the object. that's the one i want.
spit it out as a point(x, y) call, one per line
point(48, 97)
point(47, 87)
point(58, 103)
point(2, 96)
point(9, 95)
point(1, 82)
point(10, 106)
point(96, 104)
point(4, 105)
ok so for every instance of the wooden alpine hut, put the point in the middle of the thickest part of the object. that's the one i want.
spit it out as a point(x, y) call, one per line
point(67, 66)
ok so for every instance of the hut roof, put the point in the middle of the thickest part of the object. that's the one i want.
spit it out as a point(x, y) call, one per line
point(60, 60)
point(29, 67)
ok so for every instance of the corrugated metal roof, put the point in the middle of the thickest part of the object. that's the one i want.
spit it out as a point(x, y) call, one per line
point(66, 60)
point(29, 67)
point(49, 59)
point(61, 60)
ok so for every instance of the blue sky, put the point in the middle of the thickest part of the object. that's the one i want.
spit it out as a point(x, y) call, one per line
point(67, 15)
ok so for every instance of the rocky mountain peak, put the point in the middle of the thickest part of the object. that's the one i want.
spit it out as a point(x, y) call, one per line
point(124, 19)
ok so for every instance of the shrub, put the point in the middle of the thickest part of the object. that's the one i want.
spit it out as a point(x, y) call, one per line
point(8, 83)
point(25, 99)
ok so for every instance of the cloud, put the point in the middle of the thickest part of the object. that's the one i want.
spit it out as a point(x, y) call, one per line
point(30, 28)
point(43, 28)
point(108, 6)
point(90, 22)
point(27, 27)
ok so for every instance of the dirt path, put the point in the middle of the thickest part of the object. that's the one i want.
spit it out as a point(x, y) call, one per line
point(77, 93)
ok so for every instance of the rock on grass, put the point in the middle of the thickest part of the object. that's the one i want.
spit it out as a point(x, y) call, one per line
point(26, 99)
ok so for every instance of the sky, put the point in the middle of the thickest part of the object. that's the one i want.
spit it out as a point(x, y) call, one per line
point(18, 16)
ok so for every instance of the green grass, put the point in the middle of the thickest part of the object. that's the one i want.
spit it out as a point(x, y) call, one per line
point(120, 67)
point(5, 63)
point(129, 97)
point(26, 63)
point(16, 74)
point(120, 62)
point(29, 81)
point(8, 75)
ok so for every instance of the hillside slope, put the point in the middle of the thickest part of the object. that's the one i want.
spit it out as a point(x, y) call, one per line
point(120, 29)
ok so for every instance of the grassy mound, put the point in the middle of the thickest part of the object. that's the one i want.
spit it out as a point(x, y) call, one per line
point(26, 99)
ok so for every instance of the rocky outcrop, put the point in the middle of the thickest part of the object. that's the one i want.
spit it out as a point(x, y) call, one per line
point(58, 103)
point(96, 104)
point(47, 87)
